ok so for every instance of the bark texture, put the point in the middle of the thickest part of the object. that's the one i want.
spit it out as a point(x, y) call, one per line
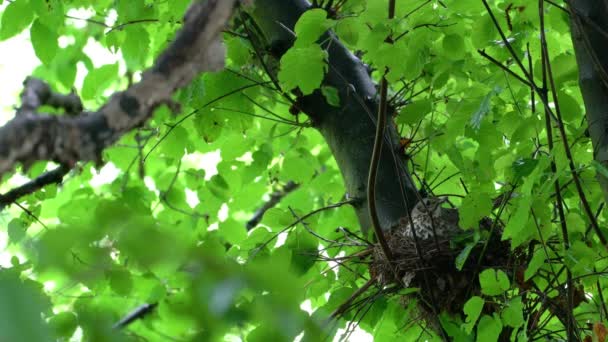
point(349, 130)
point(589, 29)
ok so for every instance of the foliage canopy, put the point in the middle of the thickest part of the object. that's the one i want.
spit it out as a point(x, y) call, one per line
point(163, 223)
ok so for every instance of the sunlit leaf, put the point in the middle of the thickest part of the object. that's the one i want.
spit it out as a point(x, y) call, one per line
point(44, 41)
point(493, 282)
point(16, 17)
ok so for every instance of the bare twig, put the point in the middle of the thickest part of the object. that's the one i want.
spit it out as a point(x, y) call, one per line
point(300, 219)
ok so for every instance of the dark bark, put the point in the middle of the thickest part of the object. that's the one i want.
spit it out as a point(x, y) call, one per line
point(590, 35)
point(349, 130)
point(51, 177)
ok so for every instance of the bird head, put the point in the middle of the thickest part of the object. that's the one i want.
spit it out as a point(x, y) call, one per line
point(429, 205)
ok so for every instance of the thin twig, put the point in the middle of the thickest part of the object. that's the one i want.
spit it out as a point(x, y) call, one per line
point(346, 305)
point(304, 217)
point(560, 125)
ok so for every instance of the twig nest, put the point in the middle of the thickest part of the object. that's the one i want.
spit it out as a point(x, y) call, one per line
point(430, 265)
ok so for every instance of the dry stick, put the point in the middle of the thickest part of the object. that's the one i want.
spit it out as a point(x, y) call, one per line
point(373, 170)
point(505, 68)
point(560, 126)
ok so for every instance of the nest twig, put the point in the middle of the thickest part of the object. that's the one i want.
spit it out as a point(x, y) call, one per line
point(449, 287)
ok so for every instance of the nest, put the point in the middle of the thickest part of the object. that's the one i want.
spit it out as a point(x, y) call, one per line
point(442, 287)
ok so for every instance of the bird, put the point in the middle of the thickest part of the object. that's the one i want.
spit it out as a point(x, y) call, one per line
point(428, 214)
point(430, 221)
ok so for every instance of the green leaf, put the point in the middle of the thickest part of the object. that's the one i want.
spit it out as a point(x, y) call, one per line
point(472, 309)
point(265, 333)
point(16, 230)
point(63, 324)
point(238, 51)
point(331, 95)
point(121, 281)
point(136, 47)
point(233, 231)
point(219, 187)
point(310, 26)
point(493, 282)
point(453, 45)
point(51, 13)
point(176, 143)
point(522, 167)
point(570, 109)
point(44, 41)
point(297, 168)
point(98, 80)
point(579, 258)
point(483, 33)
point(518, 222)
point(489, 328)
point(513, 313)
point(304, 248)
point(475, 206)
point(414, 112)
point(484, 109)
point(347, 30)
point(538, 259)
point(21, 309)
point(16, 17)
point(66, 70)
point(462, 257)
point(277, 219)
point(178, 8)
point(169, 247)
point(303, 67)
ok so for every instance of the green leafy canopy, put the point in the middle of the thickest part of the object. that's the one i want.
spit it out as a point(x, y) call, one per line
point(170, 217)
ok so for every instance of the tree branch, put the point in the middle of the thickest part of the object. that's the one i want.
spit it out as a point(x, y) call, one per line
point(275, 198)
point(51, 177)
point(66, 140)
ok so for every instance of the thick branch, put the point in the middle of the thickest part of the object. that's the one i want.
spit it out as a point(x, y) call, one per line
point(349, 129)
point(588, 25)
point(66, 140)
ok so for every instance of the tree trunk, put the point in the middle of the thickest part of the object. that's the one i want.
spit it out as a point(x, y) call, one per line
point(590, 35)
point(349, 129)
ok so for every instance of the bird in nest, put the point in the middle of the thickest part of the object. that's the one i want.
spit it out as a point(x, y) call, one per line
point(429, 218)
